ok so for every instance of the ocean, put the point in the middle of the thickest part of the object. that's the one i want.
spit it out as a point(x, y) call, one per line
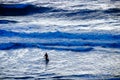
point(81, 37)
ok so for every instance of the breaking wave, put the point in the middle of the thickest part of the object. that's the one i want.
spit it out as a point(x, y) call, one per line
point(28, 9)
point(61, 41)
point(64, 29)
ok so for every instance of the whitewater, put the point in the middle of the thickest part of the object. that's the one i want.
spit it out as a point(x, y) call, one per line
point(81, 37)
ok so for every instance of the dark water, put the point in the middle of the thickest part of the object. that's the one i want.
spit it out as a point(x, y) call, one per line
point(82, 38)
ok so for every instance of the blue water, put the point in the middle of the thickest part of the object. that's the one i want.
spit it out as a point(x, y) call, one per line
point(81, 37)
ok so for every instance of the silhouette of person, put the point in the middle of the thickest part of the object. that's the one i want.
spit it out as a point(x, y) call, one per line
point(46, 57)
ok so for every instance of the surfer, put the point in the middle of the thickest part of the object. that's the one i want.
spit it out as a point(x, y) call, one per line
point(46, 57)
point(46, 60)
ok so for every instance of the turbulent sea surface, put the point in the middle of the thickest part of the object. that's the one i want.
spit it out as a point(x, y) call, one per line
point(81, 37)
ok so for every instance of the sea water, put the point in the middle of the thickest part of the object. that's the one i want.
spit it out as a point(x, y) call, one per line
point(81, 37)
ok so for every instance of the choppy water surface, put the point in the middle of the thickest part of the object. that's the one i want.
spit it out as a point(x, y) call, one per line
point(81, 37)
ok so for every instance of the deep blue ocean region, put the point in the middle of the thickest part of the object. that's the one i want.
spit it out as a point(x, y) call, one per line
point(81, 38)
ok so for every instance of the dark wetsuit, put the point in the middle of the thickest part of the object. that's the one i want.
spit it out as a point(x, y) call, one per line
point(46, 57)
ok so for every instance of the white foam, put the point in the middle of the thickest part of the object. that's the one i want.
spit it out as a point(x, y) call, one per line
point(62, 62)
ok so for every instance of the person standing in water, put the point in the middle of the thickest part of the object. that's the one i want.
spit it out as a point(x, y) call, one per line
point(46, 57)
point(46, 60)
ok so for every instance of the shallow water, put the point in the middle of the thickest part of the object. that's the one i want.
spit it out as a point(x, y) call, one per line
point(81, 37)
point(30, 64)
